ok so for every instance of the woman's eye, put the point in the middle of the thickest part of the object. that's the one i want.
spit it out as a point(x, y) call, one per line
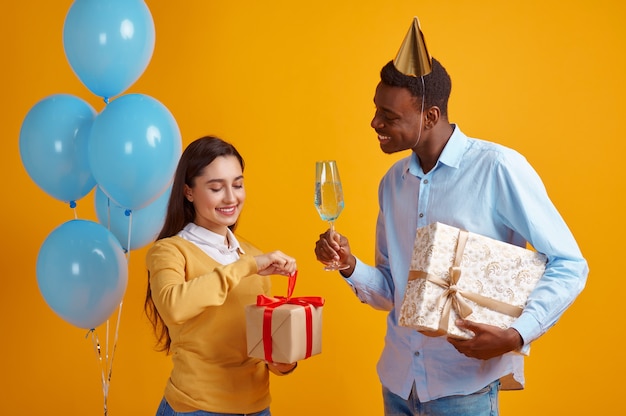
point(215, 189)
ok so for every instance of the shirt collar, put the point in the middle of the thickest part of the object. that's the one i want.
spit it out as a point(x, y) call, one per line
point(202, 235)
point(450, 156)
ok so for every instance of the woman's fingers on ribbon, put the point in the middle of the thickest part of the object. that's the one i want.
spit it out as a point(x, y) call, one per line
point(283, 263)
point(276, 262)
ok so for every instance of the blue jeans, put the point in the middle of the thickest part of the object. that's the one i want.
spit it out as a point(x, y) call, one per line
point(166, 410)
point(482, 403)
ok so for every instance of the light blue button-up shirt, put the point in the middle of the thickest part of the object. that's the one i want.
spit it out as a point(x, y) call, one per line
point(487, 189)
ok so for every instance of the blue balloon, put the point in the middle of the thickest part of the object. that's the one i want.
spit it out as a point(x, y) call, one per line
point(145, 223)
point(108, 43)
point(82, 272)
point(54, 146)
point(134, 148)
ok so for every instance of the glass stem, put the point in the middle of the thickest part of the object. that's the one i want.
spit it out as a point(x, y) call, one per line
point(335, 263)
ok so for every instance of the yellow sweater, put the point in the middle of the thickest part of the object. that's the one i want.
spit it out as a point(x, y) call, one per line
point(203, 305)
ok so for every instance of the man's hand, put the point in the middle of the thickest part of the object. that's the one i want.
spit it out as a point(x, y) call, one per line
point(489, 341)
point(332, 246)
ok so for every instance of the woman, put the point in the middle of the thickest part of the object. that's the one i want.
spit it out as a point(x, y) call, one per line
point(201, 277)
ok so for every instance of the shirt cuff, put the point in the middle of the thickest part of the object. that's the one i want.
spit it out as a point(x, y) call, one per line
point(528, 328)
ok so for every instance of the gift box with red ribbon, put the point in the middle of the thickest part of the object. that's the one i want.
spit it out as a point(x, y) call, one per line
point(284, 329)
point(458, 274)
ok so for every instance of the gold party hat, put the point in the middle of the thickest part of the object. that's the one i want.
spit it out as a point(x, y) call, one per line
point(412, 58)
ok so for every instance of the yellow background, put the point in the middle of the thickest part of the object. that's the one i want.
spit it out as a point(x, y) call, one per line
point(290, 82)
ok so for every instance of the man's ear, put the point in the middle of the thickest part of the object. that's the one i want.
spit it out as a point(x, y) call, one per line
point(431, 116)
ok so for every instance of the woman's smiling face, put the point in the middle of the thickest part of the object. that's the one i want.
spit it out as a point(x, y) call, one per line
point(218, 194)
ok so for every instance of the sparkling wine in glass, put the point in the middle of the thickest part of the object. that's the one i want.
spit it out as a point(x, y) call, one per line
point(329, 197)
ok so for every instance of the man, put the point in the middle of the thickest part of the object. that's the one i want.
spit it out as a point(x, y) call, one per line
point(467, 183)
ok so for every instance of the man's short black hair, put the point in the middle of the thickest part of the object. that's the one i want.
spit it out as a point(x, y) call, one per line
point(437, 82)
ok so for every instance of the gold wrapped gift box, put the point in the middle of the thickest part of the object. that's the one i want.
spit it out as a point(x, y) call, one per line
point(455, 273)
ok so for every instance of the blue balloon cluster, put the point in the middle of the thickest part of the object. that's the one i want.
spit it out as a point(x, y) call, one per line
point(82, 272)
point(128, 152)
point(108, 43)
point(53, 146)
point(134, 148)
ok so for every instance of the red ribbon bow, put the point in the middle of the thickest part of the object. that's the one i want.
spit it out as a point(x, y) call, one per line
point(272, 303)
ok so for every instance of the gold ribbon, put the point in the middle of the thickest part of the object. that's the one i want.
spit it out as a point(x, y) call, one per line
point(454, 297)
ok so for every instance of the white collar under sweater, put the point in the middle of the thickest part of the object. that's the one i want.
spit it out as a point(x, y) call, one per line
point(212, 243)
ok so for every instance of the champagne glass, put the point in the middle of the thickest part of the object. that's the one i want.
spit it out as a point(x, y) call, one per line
point(329, 198)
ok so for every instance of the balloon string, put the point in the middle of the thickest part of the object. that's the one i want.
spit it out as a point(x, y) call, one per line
point(117, 330)
point(106, 364)
point(109, 213)
point(98, 350)
point(129, 213)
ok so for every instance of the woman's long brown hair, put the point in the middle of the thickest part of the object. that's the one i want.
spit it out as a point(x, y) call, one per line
point(180, 212)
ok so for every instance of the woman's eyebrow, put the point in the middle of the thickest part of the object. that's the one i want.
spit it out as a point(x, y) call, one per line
point(222, 180)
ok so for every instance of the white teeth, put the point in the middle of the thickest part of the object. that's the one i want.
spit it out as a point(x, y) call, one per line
point(383, 138)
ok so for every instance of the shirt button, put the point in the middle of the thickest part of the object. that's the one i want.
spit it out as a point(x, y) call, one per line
point(425, 181)
point(421, 215)
point(416, 353)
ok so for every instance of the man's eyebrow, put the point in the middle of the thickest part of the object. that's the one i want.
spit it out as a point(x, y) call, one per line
point(387, 110)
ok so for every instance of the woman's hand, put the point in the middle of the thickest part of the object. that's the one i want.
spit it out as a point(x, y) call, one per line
point(275, 262)
point(282, 368)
